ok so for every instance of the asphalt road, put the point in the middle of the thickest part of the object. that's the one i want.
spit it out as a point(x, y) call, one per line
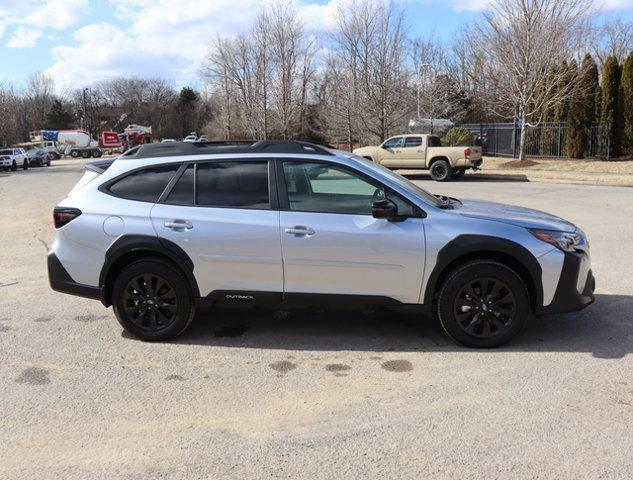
point(313, 394)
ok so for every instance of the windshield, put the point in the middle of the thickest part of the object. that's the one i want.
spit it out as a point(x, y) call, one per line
point(403, 182)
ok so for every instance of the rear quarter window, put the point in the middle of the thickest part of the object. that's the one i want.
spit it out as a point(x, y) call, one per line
point(144, 185)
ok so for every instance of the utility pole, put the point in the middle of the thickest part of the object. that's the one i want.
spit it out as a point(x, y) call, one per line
point(419, 85)
point(85, 125)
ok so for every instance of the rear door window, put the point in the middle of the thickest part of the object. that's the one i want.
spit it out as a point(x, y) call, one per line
point(144, 185)
point(411, 142)
point(242, 184)
point(183, 192)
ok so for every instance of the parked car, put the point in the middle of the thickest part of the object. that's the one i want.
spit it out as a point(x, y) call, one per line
point(38, 157)
point(164, 228)
point(191, 138)
point(424, 152)
point(167, 140)
point(13, 158)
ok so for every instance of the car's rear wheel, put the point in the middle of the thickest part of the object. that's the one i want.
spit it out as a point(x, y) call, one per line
point(440, 170)
point(25, 164)
point(152, 300)
point(483, 304)
point(458, 172)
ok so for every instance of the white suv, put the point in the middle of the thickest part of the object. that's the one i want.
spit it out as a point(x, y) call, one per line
point(168, 226)
point(13, 158)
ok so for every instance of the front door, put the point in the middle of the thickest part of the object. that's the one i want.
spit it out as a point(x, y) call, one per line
point(392, 154)
point(226, 225)
point(333, 245)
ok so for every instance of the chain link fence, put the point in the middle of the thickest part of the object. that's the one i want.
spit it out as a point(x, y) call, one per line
point(544, 140)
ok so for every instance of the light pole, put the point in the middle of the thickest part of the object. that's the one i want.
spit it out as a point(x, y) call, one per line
point(419, 84)
point(85, 115)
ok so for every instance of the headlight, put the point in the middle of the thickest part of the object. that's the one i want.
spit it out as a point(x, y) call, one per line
point(566, 241)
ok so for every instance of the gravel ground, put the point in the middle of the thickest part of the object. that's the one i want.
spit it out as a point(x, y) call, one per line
point(313, 394)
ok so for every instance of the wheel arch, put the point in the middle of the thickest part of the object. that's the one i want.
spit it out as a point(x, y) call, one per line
point(130, 248)
point(439, 157)
point(467, 248)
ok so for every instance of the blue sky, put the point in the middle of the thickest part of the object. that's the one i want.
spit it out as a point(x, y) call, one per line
point(79, 42)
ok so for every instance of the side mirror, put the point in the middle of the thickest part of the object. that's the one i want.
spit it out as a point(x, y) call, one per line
point(384, 209)
point(384, 147)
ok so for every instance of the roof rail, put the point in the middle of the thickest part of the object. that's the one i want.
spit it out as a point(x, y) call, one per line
point(170, 149)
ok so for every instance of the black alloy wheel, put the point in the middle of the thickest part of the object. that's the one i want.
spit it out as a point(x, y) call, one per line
point(441, 171)
point(483, 304)
point(152, 299)
point(484, 307)
point(150, 302)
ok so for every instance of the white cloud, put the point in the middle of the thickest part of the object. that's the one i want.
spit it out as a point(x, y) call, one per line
point(24, 38)
point(44, 14)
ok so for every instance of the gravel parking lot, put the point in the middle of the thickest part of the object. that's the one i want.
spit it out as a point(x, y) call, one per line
point(313, 394)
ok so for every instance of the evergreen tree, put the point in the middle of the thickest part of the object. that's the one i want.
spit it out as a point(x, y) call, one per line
point(569, 72)
point(187, 103)
point(625, 110)
point(609, 108)
point(582, 109)
point(58, 118)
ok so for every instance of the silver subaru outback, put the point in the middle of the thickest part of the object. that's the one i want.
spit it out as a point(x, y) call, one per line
point(166, 228)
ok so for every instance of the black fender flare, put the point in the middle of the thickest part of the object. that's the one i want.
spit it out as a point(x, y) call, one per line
point(468, 247)
point(127, 244)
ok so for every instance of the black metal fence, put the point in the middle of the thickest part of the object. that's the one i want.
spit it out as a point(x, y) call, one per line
point(544, 140)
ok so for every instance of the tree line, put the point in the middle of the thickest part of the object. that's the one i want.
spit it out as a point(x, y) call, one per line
point(366, 78)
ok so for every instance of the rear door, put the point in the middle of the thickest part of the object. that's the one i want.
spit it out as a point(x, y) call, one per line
point(333, 245)
point(222, 213)
point(413, 152)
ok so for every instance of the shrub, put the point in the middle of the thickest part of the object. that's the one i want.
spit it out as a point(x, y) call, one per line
point(457, 137)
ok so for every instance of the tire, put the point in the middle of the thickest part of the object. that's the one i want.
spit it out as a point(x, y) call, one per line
point(467, 308)
point(25, 164)
point(74, 153)
point(458, 172)
point(441, 170)
point(14, 166)
point(177, 311)
point(86, 154)
point(48, 162)
point(97, 153)
point(40, 163)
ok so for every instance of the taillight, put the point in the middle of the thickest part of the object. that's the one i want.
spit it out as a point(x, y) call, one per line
point(63, 215)
point(468, 152)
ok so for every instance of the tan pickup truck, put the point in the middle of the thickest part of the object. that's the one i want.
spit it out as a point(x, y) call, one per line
point(426, 152)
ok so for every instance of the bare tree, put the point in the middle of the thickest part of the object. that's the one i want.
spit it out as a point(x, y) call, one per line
point(526, 40)
point(612, 37)
point(370, 35)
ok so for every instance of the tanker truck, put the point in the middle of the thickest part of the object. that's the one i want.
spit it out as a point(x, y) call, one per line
point(76, 143)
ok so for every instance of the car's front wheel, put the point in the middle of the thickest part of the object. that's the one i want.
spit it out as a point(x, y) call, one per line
point(152, 300)
point(14, 166)
point(483, 304)
point(25, 164)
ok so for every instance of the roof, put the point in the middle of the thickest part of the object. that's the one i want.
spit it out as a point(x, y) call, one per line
point(169, 149)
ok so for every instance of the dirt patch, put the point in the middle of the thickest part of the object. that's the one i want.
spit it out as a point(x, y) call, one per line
point(178, 378)
point(283, 366)
point(43, 319)
point(34, 376)
point(337, 367)
point(519, 164)
point(397, 366)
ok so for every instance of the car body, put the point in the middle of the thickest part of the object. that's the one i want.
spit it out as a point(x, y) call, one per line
point(416, 151)
point(38, 157)
point(190, 138)
point(13, 158)
point(167, 140)
point(285, 222)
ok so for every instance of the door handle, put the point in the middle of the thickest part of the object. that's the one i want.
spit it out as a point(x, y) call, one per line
point(179, 225)
point(300, 231)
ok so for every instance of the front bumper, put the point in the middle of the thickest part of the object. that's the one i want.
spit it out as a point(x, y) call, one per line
point(576, 285)
point(61, 281)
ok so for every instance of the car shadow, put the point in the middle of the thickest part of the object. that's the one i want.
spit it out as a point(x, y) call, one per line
point(604, 329)
point(469, 177)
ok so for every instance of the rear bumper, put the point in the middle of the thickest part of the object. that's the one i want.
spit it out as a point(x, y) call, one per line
point(61, 281)
point(576, 285)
